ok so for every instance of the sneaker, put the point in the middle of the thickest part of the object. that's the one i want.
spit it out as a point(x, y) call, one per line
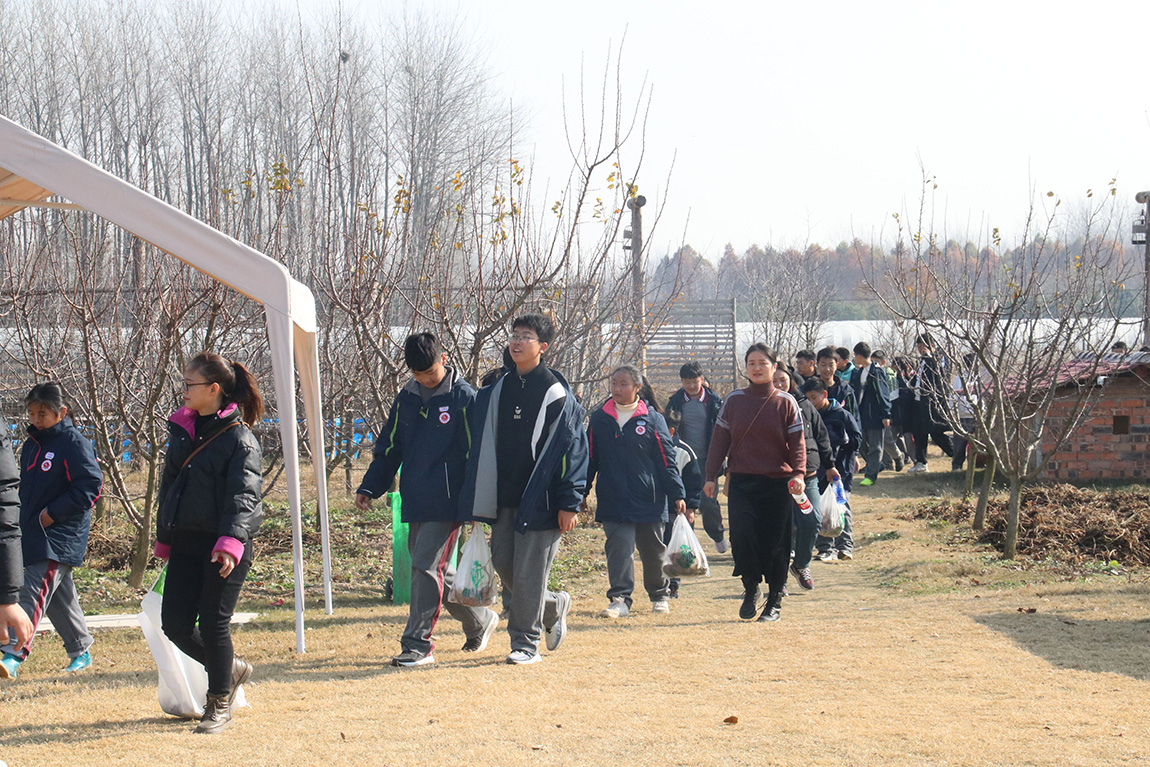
point(772, 609)
point(241, 673)
point(785, 592)
point(866, 482)
point(9, 666)
point(617, 609)
point(660, 606)
point(826, 556)
point(750, 604)
point(409, 658)
point(846, 555)
point(79, 663)
point(522, 658)
point(479, 643)
point(558, 631)
point(673, 589)
point(918, 468)
point(803, 576)
point(721, 545)
point(898, 465)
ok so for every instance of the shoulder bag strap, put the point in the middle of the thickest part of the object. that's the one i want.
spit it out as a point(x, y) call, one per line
point(207, 442)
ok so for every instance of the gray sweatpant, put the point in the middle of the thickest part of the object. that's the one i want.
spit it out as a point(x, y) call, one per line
point(872, 447)
point(49, 590)
point(622, 540)
point(523, 561)
point(431, 545)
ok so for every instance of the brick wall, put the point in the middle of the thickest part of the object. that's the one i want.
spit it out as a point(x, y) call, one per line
point(1094, 451)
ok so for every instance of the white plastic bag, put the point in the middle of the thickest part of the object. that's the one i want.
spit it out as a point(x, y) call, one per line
point(183, 682)
point(832, 513)
point(474, 583)
point(684, 552)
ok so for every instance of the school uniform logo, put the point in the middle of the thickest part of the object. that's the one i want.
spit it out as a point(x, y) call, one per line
point(46, 465)
point(641, 429)
point(444, 416)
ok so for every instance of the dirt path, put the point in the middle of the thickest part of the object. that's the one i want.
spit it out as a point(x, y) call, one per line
point(856, 673)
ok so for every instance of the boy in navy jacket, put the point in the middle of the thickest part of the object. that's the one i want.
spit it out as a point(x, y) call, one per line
point(845, 437)
point(526, 476)
point(426, 432)
point(60, 482)
point(870, 386)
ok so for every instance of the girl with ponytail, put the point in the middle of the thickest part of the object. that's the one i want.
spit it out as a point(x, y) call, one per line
point(209, 510)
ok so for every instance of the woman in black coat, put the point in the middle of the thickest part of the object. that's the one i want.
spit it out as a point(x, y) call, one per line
point(209, 510)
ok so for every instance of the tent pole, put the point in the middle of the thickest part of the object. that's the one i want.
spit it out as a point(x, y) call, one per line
point(307, 361)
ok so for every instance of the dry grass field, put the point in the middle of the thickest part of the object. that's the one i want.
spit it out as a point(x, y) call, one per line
point(925, 650)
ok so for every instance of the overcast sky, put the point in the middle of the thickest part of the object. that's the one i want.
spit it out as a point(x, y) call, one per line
point(812, 122)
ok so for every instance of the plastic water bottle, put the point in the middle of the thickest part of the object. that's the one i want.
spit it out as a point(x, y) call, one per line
point(803, 502)
point(840, 492)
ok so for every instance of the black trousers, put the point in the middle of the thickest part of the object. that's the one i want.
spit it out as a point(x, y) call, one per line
point(759, 512)
point(198, 605)
point(925, 426)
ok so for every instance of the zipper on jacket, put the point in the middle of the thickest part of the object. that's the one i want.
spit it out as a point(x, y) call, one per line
point(447, 479)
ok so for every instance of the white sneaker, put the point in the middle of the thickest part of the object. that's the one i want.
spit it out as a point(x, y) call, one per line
point(918, 468)
point(660, 606)
point(721, 546)
point(554, 636)
point(617, 609)
point(522, 658)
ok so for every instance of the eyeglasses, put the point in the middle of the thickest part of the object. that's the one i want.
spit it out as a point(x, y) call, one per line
point(517, 339)
point(190, 384)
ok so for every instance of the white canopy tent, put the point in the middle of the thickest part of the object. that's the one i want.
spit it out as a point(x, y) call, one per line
point(33, 169)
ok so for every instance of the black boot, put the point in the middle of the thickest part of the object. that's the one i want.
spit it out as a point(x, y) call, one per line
point(217, 715)
point(771, 610)
point(750, 603)
point(241, 673)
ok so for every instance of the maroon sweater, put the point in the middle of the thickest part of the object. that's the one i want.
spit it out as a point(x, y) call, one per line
point(773, 446)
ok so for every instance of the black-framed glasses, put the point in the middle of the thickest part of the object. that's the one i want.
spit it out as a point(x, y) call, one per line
point(518, 339)
point(190, 384)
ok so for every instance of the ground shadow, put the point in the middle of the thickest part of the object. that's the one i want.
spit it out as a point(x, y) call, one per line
point(1070, 642)
point(80, 732)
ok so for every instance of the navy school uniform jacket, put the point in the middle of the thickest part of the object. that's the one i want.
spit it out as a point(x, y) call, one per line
point(58, 473)
point(820, 454)
point(845, 438)
point(559, 476)
point(635, 465)
point(431, 441)
point(874, 402)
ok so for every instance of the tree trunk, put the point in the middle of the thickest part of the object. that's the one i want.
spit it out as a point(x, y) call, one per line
point(141, 550)
point(984, 495)
point(968, 488)
point(1010, 547)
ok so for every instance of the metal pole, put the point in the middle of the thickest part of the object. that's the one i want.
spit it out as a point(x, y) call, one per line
point(638, 292)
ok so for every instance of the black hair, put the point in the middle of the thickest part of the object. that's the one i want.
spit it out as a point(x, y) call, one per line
point(826, 353)
point(421, 351)
point(862, 349)
point(541, 324)
point(50, 394)
point(793, 383)
point(236, 383)
point(691, 370)
point(924, 338)
point(763, 349)
point(878, 354)
point(647, 394)
point(844, 353)
point(1119, 346)
point(631, 370)
point(805, 354)
point(813, 384)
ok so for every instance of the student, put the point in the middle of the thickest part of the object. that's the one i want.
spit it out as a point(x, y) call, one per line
point(820, 459)
point(210, 507)
point(837, 389)
point(845, 438)
point(843, 363)
point(526, 475)
point(426, 433)
point(691, 472)
point(805, 366)
point(903, 409)
point(869, 384)
point(692, 411)
point(760, 434)
point(894, 452)
point(965, 391)
point(15, 627)
point(929, 417)
point(60, 482)
point(631, 456)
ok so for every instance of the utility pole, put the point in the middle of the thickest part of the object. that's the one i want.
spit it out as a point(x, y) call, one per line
point(633, 241)
point(1140, 228)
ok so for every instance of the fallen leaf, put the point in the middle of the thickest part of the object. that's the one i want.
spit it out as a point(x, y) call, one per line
point(342, 736)
point(538, 748)
point(432, 721)
point(731, 720)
